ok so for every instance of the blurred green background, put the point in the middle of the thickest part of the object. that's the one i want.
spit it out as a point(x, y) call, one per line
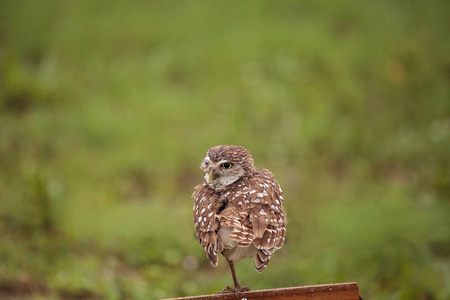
point(108, 107)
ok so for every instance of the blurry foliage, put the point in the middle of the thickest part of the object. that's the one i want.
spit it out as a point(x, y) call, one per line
point(107, 108)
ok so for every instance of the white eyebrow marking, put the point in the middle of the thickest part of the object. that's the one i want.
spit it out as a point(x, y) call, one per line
point(223, 161)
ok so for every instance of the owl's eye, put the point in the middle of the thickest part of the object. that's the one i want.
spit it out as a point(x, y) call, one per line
point(227, 165)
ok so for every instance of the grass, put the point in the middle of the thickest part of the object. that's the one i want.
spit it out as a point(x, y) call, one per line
point(107, 108)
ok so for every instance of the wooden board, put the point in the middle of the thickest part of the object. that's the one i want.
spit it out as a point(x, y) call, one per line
point(336, 291)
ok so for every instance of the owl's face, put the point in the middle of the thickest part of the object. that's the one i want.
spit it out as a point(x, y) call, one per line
point(221, 173)
point(224, 165)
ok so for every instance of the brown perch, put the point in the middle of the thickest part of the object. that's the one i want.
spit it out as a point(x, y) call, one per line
point(336, 291)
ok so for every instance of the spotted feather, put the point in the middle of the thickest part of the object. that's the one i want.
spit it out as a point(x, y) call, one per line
point(239, 212)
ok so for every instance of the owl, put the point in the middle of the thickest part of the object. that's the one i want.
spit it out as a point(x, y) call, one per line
point(238, 210)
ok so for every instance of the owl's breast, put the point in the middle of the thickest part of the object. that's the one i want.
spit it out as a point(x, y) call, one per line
point(231, 249)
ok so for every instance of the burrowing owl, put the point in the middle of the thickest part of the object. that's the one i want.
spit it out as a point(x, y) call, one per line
point(238, 210)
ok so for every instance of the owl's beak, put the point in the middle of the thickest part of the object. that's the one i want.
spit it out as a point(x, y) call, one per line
point(212, 176)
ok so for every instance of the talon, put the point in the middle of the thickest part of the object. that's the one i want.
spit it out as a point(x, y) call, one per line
point(226, 290)
point(236, 290)
point(245, 289)
point(241, 289)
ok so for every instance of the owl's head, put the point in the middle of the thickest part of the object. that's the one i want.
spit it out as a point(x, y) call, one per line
point(226, 164)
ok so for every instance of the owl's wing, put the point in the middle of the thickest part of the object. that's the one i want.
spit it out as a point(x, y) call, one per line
point(267, 217)
point(205, 206)
point(265, 203)
point(257, 216)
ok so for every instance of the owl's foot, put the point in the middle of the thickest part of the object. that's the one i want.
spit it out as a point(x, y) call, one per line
point(236, 290)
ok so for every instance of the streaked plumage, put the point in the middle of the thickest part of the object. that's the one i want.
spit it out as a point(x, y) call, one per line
point(238, 209)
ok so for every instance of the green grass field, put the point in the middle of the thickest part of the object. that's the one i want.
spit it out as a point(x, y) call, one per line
point(108, 107)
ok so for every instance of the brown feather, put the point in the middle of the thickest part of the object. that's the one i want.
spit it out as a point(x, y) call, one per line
point(250, 209)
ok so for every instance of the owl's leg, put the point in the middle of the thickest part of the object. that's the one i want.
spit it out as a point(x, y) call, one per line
point(237, 287)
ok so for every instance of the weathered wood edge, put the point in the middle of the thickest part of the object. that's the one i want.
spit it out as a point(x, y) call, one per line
point(338, 291)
